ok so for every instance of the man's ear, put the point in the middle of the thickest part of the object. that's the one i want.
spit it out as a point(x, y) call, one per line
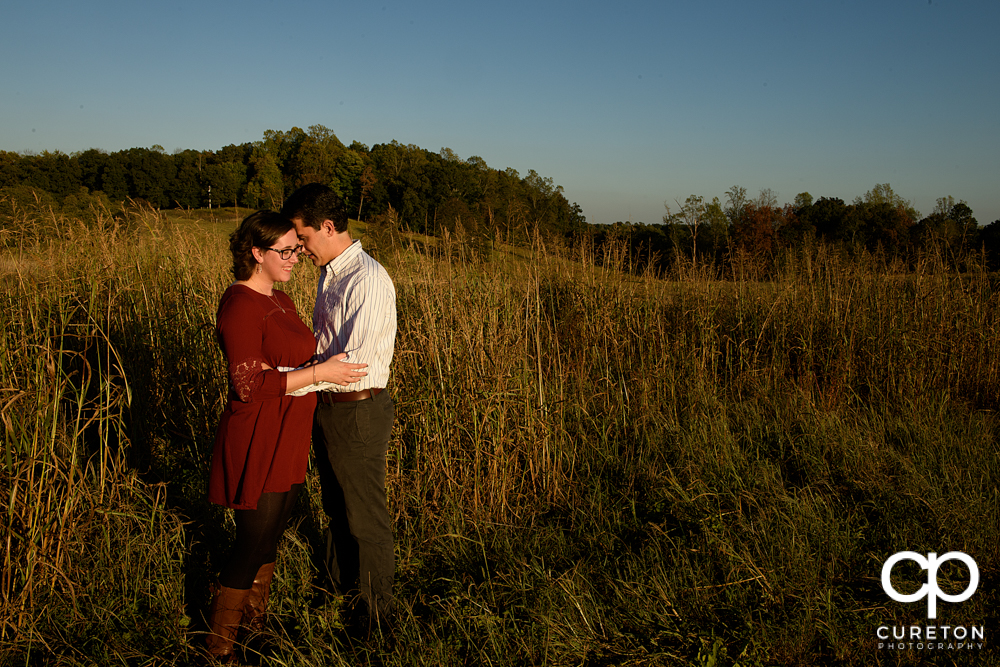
point(329, 227)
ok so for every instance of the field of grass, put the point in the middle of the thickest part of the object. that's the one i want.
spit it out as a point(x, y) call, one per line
point(588, 467)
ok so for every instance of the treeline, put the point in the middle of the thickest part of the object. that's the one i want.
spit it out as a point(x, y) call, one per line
point(881, 222)
point(426, 191)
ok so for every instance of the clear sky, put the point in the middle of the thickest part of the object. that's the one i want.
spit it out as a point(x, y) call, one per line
point(625, 104)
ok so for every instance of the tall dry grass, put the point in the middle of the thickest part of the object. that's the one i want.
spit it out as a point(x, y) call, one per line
point(589, 465)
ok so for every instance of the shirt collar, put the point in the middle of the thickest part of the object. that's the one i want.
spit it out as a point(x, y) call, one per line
point(344, 259)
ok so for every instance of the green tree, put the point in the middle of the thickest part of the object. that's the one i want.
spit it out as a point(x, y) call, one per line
point(449, 155)
point(884, 219)
point(226, 173)
point(366, 184)
point(188, 187)
point(227, 180)
point(989, 238)
point(883, 195)
point(271, 168)
point(347, 173)
point(265, 187)
point(736, 203)
point(53, 172)
point(951, 227)
point(828, 216)
point(715, 229)
point(149, 173)
point(91, 164)
point(403, 183)
point(538, 190)
point(115, 177)
point(10, 169)
point(689, 218)
point(316, 158)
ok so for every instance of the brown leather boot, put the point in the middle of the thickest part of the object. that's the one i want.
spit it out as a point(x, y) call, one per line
point(260, 592)
point(224, 621)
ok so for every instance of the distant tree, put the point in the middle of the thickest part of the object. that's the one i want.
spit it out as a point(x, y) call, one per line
point(767, 197)
point(715, 229)
point(538, 190)
point(755, 232)
point(367, 183)
point(416, 183)
point(265, 186)
point(91, 164)
point(794, 230)
point(943, 206)
point(450, 155)
point(227, 180)
point(350, 167)
point(736, 203)
point(560, 218)
point(115, 177)
point(688, 219)
point(885, 226)
point(282, 150)
point(883, 194)
point(85, 205)
point(829, 216)
point(883, 219)
point(963, 217)
point(950, 227)
point(188, 186)
point(989, 238)
point(797, 227)
point(650, 246)
point(10, 169)
point(149, 173)
point(53, 172)
point(319, 157)
point(403, 182)
point(232, 153)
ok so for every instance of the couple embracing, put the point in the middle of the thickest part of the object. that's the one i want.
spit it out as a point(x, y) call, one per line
point(290, 385)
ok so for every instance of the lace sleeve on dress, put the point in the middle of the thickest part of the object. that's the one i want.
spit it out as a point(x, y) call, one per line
point(243, 376)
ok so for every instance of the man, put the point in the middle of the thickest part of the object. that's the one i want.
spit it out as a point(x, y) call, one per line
point(355, 313)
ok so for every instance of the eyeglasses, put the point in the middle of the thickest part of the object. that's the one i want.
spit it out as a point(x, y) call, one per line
point(287, 253)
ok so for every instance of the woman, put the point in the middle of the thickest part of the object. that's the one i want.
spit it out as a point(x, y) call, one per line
point(262, 445)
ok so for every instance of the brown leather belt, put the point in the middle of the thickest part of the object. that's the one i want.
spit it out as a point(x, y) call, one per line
point(331, 397)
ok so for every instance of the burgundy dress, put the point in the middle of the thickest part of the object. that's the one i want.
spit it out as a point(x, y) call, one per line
point(262, 444)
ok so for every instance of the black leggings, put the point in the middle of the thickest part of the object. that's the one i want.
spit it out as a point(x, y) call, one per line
point(257, 535)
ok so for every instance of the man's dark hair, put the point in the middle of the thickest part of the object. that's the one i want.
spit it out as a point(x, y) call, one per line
point(315, 203)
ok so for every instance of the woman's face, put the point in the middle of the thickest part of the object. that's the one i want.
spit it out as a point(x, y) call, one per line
point(273, 267)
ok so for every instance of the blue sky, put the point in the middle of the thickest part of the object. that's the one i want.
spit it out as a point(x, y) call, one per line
point(627, 105)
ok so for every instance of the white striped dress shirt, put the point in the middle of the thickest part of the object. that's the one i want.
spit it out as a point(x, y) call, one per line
point(356, 313)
